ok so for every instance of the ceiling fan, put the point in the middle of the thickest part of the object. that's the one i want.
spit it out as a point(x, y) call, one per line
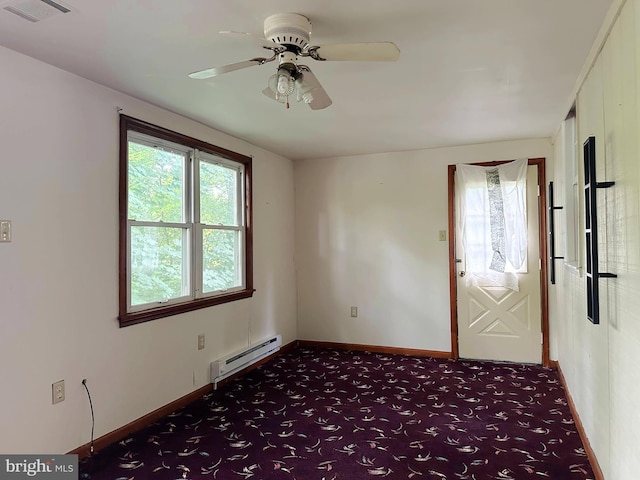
point(287, 36)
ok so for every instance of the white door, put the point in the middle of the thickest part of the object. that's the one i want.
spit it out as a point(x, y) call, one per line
point(497, 323)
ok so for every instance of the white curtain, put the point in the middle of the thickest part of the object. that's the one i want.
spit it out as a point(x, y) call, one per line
point(492, 222)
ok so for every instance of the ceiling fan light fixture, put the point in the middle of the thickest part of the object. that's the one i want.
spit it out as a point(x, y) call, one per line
point(282, 84)
point(285, 84)
point(304, 91)
point(272, 86)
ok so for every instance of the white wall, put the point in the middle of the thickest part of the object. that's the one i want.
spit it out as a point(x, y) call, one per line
point(367, 236)
point(59, 276)
point(600, 362)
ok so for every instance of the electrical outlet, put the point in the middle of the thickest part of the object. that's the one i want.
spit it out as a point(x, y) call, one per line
point(354, 312)
point(201, 341)
point(57, 392)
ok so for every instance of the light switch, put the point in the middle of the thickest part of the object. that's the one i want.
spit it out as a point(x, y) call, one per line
point(5, 230)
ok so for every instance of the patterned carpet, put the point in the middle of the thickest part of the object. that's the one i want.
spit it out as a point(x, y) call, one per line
point(337, 415)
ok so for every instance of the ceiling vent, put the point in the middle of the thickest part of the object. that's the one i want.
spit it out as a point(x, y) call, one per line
point(35, 10)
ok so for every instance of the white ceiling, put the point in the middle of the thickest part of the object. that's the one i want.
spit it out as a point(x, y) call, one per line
point(470, 71)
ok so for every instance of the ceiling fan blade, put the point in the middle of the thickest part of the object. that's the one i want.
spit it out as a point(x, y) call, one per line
point(213, 72)
point(320, 97)
point(374, 52)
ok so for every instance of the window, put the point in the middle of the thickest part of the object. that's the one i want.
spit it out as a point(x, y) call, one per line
point(492, 207)
point(185, 223)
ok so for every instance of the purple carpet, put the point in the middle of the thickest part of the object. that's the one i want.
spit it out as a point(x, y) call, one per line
point(337, 415)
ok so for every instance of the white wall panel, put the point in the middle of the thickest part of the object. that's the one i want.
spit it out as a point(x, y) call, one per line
point(59, 275)
point(367, 236)
point(600, 362)
point(623, 241)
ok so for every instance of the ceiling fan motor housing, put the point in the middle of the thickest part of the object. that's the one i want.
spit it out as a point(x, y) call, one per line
point(288, 29)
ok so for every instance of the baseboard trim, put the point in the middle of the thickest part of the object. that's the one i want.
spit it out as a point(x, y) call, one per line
point(376, 349)
point(118, 434)
point(583, 435)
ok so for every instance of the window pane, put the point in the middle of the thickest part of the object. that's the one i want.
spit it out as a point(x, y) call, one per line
point(218, 190)
point(156, 184)
point(158, 264)
point(220, 264)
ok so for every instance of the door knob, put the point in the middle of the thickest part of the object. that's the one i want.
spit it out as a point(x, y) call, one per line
point(462, 273)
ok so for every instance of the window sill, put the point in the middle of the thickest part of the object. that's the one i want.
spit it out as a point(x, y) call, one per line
point(128, 319)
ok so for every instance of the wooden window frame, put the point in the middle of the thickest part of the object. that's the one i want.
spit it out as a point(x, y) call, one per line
point(126, 317)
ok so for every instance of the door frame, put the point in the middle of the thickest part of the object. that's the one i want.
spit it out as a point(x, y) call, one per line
point(542, 234)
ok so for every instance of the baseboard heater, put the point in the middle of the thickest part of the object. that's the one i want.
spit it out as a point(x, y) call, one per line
point(227, 366)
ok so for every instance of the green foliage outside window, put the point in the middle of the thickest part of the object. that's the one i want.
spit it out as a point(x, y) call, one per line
point(160, 263)
point(156, 184)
